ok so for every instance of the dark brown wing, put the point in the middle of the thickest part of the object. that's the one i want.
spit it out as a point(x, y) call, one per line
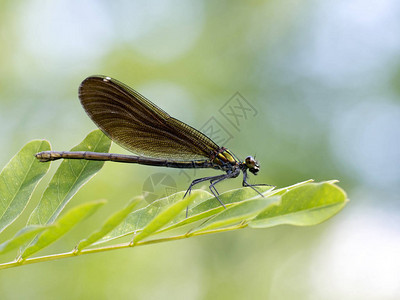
point(138, 125)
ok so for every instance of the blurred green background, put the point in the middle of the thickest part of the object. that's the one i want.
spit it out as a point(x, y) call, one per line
point(323, 79)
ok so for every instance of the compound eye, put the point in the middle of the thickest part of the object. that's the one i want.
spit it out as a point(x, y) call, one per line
point(252, 165)
point(250, 162)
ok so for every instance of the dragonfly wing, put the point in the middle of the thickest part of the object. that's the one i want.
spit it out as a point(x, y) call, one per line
point(138, 125)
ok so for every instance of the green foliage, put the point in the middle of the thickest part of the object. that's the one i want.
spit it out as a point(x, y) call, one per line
point(166, 214)
point(137, 220)
point(62, 226)
point(22, 237)
point(238, 213)
point(18, 179)
point(109, 225)
point(302, 204)
point(68, 179)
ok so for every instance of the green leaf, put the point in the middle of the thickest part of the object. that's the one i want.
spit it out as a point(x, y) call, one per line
point(23, 236)
point(304, 205)
point(68, 179)
point(165, 216)
point(212, 206)
point(238, 213)
point(138, 219)
point(284, 190)
point(109, 225)
point(18, 179)
point(62, 226)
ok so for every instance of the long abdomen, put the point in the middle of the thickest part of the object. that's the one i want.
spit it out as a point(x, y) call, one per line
point(123, 158)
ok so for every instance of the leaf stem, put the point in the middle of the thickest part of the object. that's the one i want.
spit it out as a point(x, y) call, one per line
point(19, 262)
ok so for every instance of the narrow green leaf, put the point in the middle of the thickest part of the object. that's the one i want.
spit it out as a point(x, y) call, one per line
point(165, 216)
point(18, 179)
point(305, 205)
point(68, 179)
point(138, 219)
point(237, 213)
point(212, 206)
point(62, 226)
point(110, 224)
point(23, 236)
point(281, 191)
point(204, 206)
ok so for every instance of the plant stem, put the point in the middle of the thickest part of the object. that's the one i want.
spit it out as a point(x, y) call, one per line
point(73, 253)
